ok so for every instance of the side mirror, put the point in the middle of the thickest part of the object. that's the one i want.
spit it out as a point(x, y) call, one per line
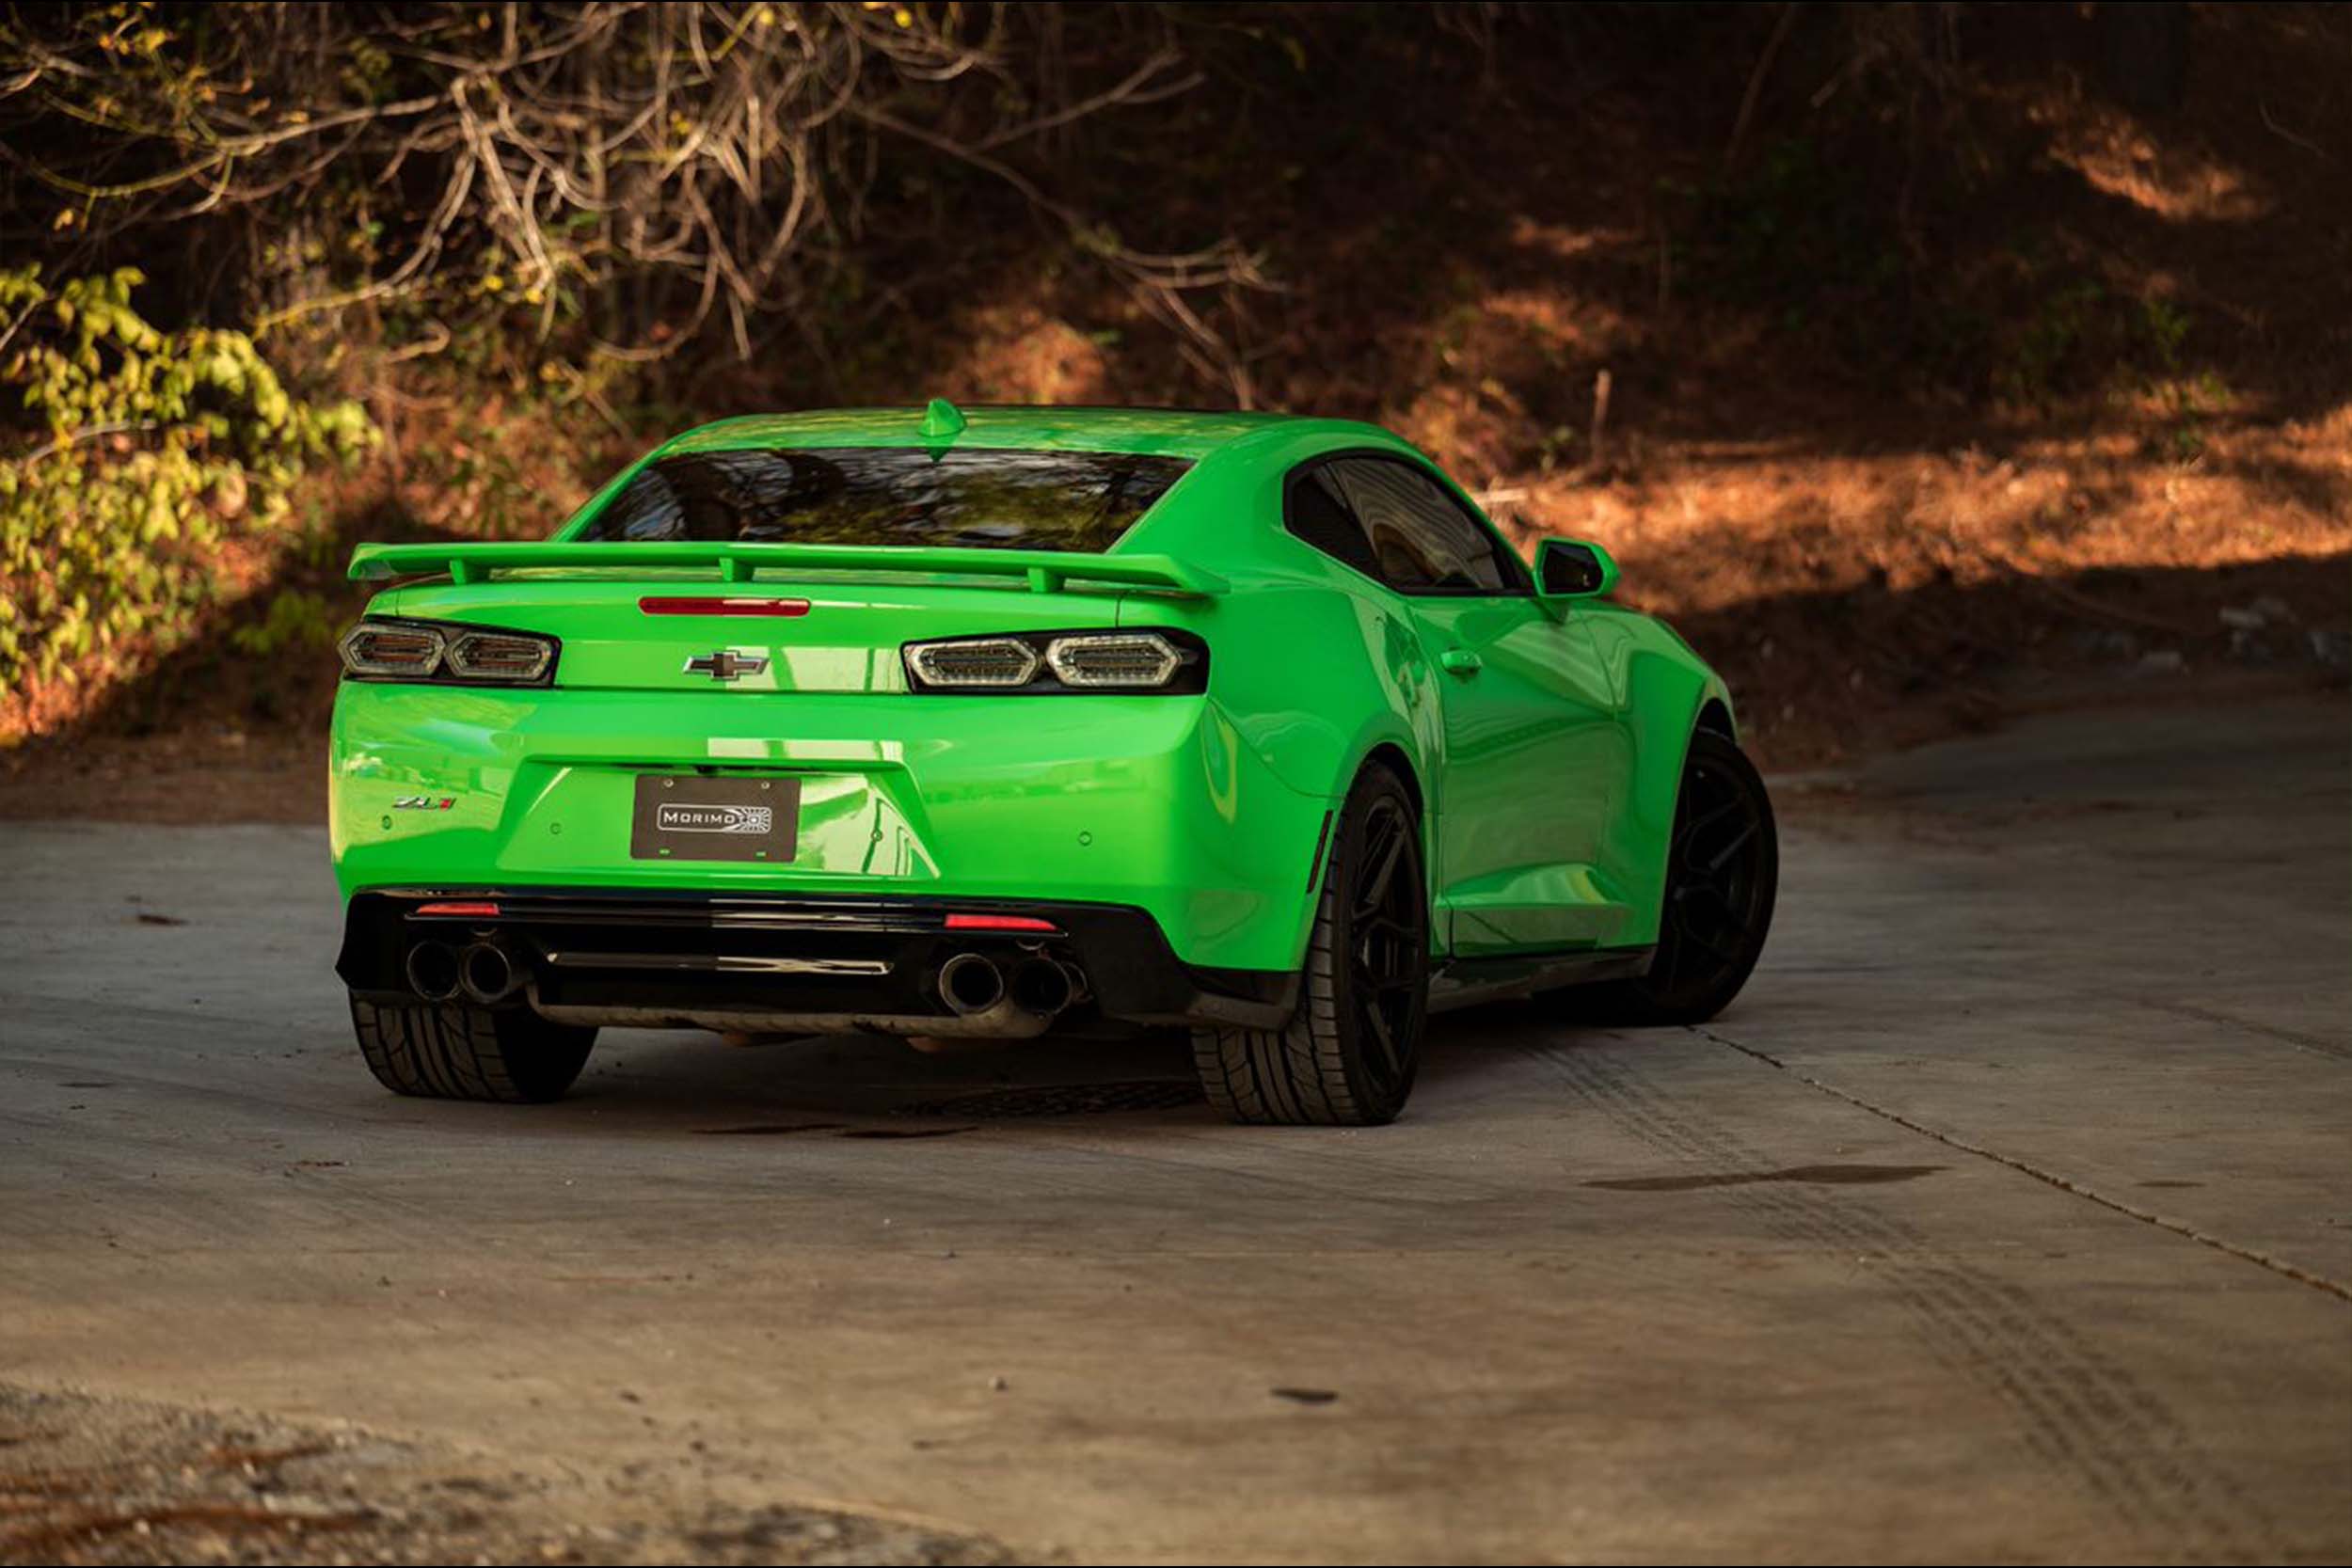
point(1573, 569)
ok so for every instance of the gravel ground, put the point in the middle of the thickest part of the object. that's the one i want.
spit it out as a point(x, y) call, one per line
point(101, 1481)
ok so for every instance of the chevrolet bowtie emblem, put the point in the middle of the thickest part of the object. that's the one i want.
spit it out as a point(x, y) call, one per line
point(726, 664)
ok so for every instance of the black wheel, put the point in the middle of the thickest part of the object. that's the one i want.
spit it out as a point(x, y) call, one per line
point(1721, 873)
point(1348, 1055)
point(449, 1051)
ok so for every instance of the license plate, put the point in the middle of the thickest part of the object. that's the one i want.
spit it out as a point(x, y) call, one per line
point(688, 817)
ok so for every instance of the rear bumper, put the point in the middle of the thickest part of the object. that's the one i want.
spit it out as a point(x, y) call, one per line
point(1151, 803)
point(774, 962)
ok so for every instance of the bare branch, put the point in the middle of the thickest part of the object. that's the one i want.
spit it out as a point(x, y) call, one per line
point(656, 168)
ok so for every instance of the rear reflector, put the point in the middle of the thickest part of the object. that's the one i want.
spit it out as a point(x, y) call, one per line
point(473, 912)
point(723, 606)
point(999, 923)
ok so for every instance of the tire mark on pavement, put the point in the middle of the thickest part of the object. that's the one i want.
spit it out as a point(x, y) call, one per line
point(2078, 1410)
point(2295, 1038)
point(2244, 1254)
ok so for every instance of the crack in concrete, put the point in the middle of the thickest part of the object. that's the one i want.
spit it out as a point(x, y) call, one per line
point(2262, 1260)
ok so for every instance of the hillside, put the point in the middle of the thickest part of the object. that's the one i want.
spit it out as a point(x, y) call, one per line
point(1919, 363)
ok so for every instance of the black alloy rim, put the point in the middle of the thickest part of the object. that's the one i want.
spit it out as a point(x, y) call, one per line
point(1715, 892)
point(1388, 942)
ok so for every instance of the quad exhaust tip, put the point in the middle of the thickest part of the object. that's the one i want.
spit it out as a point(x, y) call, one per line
point(969, 984)
point(433, 971)
point(972, 983)
point(486, 974)
point(1042, 985)
point(481, 971)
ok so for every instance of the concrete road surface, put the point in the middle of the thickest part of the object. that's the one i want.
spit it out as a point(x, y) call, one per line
point(2005, 1216)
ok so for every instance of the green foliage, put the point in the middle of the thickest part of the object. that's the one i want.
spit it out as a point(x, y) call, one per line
point(2165, 327)
point(1797, 239)
point(2188, 402)
point(1817, 251)
point(135, 461)
point(2054, 337)
point(297, 620)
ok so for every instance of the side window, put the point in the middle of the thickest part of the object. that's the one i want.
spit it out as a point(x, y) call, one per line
point(647, 508)
point(1421, 538)
point(1315, 512)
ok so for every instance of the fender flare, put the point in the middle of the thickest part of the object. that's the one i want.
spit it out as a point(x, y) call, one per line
point(1388, 740)
point(1669, 699)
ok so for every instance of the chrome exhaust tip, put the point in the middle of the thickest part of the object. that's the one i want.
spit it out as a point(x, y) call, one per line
point(433, 971)
point(969, 984)
point(486, 974)
point(1042, 985)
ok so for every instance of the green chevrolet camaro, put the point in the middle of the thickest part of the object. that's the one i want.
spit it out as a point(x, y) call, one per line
point(1027, 722)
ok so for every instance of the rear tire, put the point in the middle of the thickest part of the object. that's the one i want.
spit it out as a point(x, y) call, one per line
point(1722, 875)
point(1349, 1054)
point(452, 1050)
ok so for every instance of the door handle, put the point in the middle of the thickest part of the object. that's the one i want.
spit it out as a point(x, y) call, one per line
point(1461, 661)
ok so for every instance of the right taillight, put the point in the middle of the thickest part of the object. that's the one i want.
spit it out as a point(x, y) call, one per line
point(1143, 659)
point(1156, 660)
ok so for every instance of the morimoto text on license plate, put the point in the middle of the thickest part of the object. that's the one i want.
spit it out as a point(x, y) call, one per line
point(687, 816)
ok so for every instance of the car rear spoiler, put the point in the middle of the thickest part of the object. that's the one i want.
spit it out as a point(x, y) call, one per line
point(1046, 571)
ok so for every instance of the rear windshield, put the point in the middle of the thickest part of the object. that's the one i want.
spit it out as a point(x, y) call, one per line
point(1041, 501)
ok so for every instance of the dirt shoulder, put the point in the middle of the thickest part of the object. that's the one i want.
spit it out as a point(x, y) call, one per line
point(103, 1480)
point(199, 775)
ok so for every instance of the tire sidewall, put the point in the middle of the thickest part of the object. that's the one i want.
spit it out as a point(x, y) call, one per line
point(1342, 879)
point(1723, 754)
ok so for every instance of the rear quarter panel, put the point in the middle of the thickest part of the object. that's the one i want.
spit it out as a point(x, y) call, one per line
point(1314, 667)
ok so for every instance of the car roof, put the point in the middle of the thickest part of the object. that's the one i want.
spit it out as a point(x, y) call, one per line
point(1161, 432)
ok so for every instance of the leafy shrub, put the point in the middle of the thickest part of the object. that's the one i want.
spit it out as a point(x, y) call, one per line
point(1800, 241)
point(131, 465)
point(297, 620)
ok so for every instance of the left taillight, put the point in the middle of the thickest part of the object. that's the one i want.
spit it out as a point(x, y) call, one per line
point(384, 648)
point(388, 650)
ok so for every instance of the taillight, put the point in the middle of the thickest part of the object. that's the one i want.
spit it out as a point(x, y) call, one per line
point(1046, 663)
point(378, 648)
point(997, 662)
point(498, 655)
point(1124, 658)
point(446, 654)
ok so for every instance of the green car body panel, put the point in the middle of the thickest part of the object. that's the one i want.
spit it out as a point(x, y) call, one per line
point(1544, 736)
